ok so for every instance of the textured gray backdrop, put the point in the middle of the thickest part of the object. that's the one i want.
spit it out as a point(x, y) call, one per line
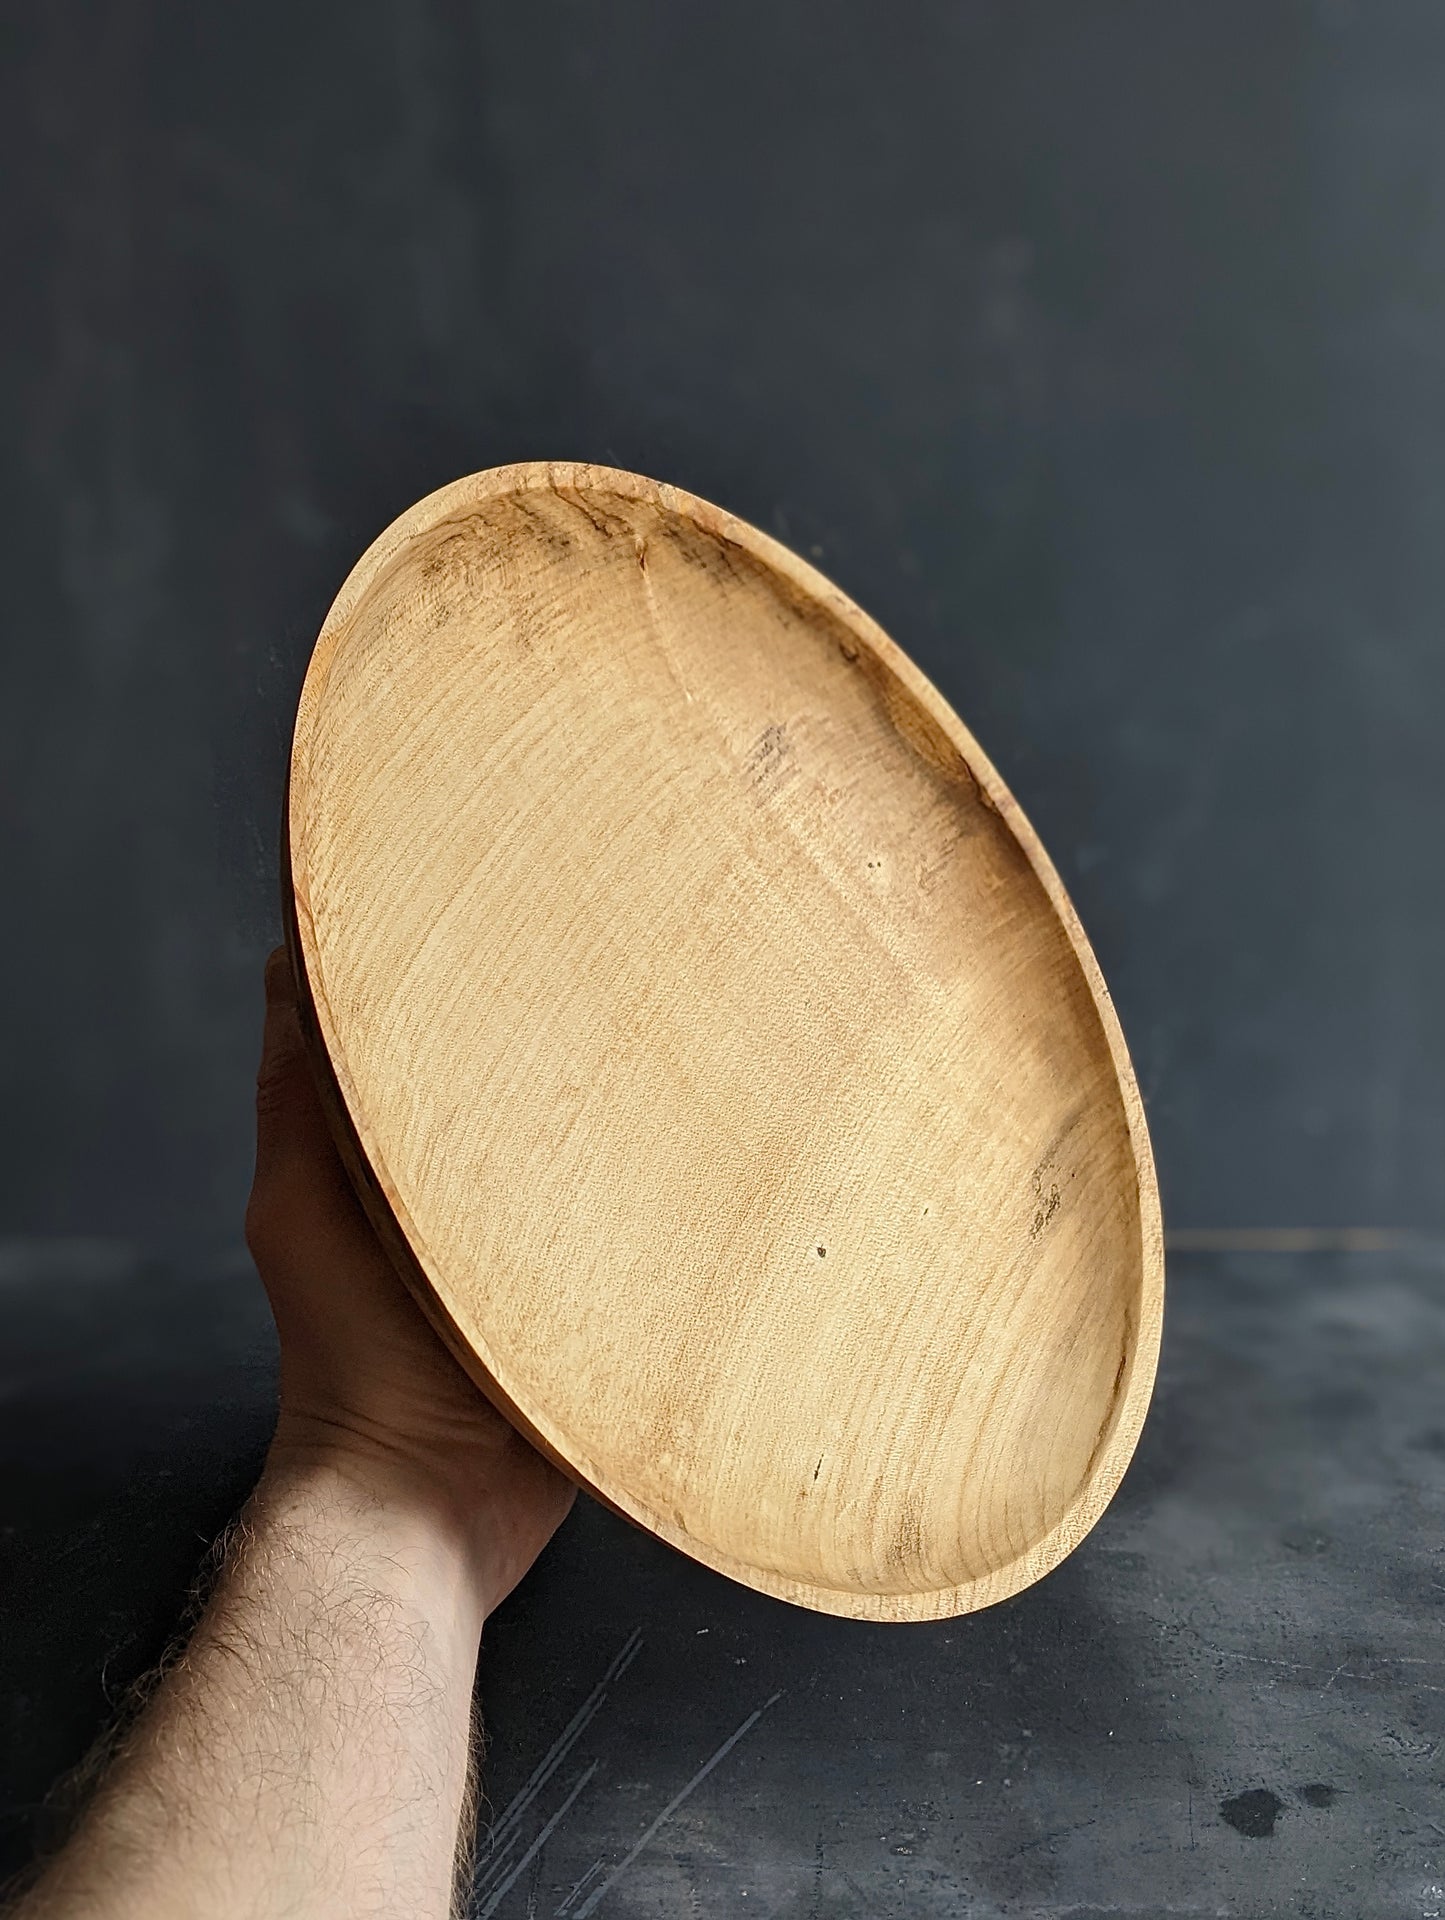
point(1095, 349)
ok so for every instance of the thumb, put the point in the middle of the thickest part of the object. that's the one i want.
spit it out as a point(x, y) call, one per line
point(288, 1116)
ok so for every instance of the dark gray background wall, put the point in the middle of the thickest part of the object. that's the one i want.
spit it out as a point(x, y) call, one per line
point(1098, 350)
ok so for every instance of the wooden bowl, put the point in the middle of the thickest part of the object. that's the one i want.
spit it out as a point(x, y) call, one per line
point(716, 1046)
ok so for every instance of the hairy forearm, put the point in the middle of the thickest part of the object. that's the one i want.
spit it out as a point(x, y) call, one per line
point(308, 1752)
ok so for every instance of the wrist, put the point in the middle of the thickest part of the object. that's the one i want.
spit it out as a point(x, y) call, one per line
point(393, 1491)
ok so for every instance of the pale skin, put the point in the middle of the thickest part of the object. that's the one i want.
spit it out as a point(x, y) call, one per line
point(307, 1754)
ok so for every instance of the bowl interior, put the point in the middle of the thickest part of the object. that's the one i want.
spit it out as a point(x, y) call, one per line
point(721, 1045)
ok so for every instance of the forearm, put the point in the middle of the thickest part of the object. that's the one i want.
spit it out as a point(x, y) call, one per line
point(308, 1753)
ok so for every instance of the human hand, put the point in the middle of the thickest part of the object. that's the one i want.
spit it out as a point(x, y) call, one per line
point(366, 1387)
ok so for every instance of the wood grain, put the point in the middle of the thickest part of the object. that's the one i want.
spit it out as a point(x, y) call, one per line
point(713, 1038)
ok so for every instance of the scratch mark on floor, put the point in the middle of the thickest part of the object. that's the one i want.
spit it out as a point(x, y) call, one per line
point(500, 1893)
point(495, 1861)
point(1337, 1673)
point(599, 1894)
point(586, 1880)
point(504, 1833)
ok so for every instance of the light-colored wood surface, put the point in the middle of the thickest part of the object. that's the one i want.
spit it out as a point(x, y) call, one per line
point(718, 1046)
